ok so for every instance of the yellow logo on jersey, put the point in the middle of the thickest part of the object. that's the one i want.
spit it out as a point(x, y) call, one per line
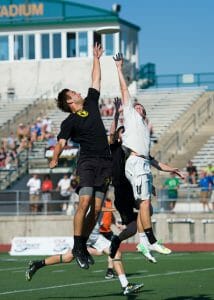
point(82, 113)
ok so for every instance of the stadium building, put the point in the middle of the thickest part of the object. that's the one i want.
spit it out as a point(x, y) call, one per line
point(46, 45)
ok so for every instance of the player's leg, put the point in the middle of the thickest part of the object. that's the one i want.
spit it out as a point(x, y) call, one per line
point(34, 266)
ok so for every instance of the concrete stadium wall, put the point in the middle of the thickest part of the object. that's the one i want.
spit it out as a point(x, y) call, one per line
point(31, 79)
point(63, 226)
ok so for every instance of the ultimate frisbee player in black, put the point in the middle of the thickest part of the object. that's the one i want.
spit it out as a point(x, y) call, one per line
point(84, 126)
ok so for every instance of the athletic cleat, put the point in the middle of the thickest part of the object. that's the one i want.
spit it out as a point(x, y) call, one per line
point(160, 248)
point(31, 271)
point(89, 258)
point(81, 258)
point(132, 288)
point(145, 251)
point(109, 274)
point(115, 244)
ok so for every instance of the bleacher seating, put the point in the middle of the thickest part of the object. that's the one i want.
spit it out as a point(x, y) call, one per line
point(164, 106)
point(205, 155)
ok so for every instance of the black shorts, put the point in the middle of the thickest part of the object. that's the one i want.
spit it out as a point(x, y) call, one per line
point(94, 172)
point(125, 202)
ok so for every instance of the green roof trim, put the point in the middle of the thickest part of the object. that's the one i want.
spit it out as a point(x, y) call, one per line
point(53, 13)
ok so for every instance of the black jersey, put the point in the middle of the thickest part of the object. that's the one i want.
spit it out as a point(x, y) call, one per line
point(86, 128)
point(118, 161)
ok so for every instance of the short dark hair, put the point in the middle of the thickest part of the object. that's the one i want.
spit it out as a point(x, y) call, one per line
point(61, 100)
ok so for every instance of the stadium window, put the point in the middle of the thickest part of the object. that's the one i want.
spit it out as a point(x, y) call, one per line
point(71, 44)
point(4, 50)
point(18, 47)
point(29, 46)
point(57, 51)
point(83, 43)
point(109, 44)
point(45, 45)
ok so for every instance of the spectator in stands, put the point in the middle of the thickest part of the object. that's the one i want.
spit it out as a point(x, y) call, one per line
point(34, 184)
point(209, 169)
point(192, 174)
point(47, 188)
point(64, 186)
point(74, 198)
point(21, 132)
point(172, 185)
point(109, 108)
point(3, 156)
point(47, 124)
point(212, 192)
point(206, 188)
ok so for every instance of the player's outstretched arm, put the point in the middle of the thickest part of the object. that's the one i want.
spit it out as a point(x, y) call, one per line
point(96, 70)
point(57, 151)
point(166, 168)
point(118, 58)
point(117, 105)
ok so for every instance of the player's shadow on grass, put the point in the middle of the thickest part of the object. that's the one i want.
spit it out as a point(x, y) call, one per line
point(103, 296)
point(199, 297)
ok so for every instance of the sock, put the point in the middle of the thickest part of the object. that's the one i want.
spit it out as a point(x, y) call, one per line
point(84, 240)
point(78, 242)
point(143, 239)
point(129, 231)
point(39, 264)
point(150, 235)
point(123, 280)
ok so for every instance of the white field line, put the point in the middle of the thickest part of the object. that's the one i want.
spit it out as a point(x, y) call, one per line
point(103, 281)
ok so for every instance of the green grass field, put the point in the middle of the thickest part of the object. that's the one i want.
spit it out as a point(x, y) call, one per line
point(179, 276)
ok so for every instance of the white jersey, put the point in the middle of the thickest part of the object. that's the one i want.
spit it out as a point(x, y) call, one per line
point(136, 136)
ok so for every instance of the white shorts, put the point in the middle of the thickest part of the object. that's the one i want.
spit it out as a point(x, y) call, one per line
point(138, 172)
point(101, 243)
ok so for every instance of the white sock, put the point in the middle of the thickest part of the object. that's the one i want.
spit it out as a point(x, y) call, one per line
point(123, 280)
point(143, 239)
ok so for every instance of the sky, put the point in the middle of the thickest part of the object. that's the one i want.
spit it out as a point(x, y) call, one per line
point(176, 35)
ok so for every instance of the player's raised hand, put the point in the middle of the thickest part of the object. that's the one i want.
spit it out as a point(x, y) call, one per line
point(118, 58)
point(117, 104)
point(98, 50)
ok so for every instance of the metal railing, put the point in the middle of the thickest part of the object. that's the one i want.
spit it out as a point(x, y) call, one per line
point(17, 203)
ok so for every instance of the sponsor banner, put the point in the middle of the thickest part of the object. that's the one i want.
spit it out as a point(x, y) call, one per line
point(40, 245)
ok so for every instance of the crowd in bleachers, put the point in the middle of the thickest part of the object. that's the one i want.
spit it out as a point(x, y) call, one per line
point(23, 138)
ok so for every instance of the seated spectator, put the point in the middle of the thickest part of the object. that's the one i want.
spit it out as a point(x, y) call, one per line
point(21, 131)
point(192, 174)
point(109, 108)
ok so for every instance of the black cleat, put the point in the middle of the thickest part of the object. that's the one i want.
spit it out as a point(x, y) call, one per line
point(115, 244)
point(31, 271)
point(89, 258)
point(81, 258)
point(109, 274)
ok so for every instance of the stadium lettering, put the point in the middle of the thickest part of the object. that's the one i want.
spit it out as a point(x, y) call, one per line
point(22, 10)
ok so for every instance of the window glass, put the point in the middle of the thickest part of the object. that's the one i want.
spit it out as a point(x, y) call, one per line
point(71, 44)
point(83, 44)
point(57, 45)
point(4, 52)
point(45, 45)
point(30, 46)
point(109, 44)
point(18, 47)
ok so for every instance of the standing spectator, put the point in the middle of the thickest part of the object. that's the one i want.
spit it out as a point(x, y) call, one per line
point(74, 198)
point(192, 174)
point(47, 188)
point(3, 156)
point(34, 184)
point(206, 187)
point(172, 185)
point(64, 186)
point(212, 192)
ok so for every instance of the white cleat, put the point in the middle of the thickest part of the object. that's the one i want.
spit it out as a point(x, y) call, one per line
point(145, 251)
point(160, 248)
